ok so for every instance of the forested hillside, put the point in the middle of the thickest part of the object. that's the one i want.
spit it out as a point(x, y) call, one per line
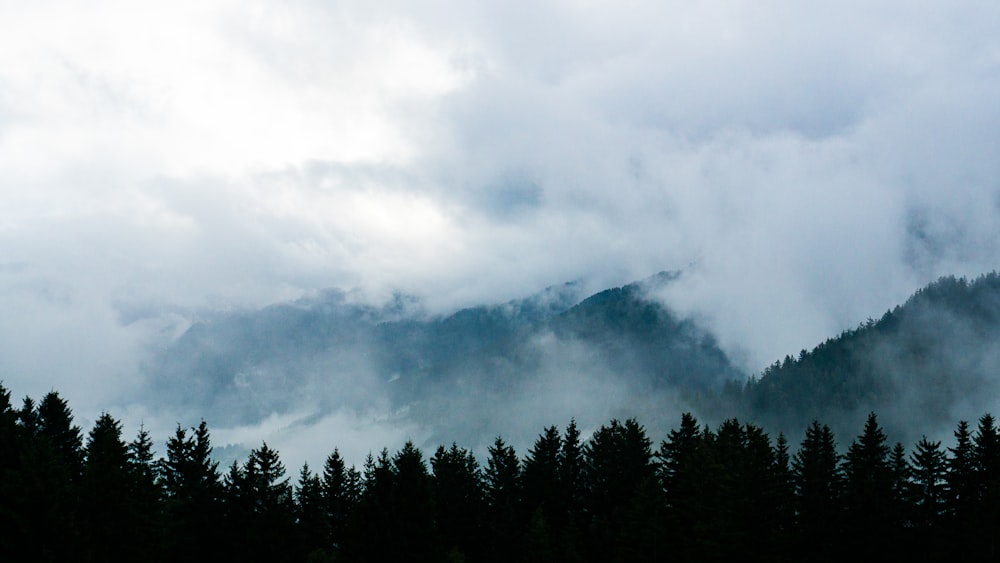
point(696, 493)
point(459, 375)
point(935, 358)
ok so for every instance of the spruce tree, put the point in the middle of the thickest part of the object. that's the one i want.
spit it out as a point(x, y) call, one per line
point(817, 478)
point(194, 496)
point(784, 500)
point(928, 498)
point(55, 424)
point(340, 495)
point(542, 486)
point(458, 500)
point(868, 490)
point(48, 492)
point(571, 480)
point(680, 470)
point(618, 460)
point(272, 514)
point(412, 513)
point(107, 510)
point(962, 481)
point(10, 462)
point(986, 467)
point(310, 516)
point(502, 480)
point(146, 496)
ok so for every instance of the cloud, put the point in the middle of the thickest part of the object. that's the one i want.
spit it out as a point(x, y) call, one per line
point(809, 166)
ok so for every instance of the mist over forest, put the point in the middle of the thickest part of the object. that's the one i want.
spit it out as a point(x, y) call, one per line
point(330, 366)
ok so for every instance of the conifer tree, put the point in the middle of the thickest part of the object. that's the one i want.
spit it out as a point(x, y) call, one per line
point(372, 521)
point(49, 488)
point(759, 513)
point(571, 480)
point(194, 494)
point(272, 509)
point(928, 497)
point(10, 461)
point(9, 433)
point(542, 487)
point(680, 470)
point(868, 490)
point(310, 513)
point(618, 459)
point(502, 479)
point(27, 419)
point(961, 477)
point(412, 531)
point(928, 492)
point(458, 500)
point(106, 493)
point(340, 495)
point(55, 424)
point(817, 481)
point(986, 468)
point(784, 500)
point(146, 496)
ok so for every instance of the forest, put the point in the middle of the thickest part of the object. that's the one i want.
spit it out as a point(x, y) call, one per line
point(701, 494)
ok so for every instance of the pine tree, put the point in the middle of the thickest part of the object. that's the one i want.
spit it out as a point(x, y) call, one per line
point(194, 496)
point(681, 473)
point(986, 468)
point(146, 497)
point(618, 459)
point(784, 500)
point(458, 500)
point(55, 424)
point(106, 495)
point(571, 480)
point(413, 510)
point(310, 512)
point(372, 521)
point(868, 490)
point(961, 478)
point(759, 515)
point(340, 495)
point(928, 498)
point(49, 485)
point(10, 464)
point(272, 509)
point(502, 480)
point(542, 487)
point(237, 511)
point(817, 481)
point(9, 433)
point(929, 493)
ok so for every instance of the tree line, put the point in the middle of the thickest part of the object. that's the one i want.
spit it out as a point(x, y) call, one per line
point(702, 494)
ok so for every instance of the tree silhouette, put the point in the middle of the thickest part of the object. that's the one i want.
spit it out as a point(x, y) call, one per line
point(458, 500)
point(868, 491)
point(817, 480)
point(194, 492)
point(502, 479)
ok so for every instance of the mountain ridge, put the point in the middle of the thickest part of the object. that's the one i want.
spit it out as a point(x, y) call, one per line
point(559, 354)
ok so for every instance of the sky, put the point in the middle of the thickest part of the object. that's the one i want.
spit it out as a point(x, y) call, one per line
point(807, 165)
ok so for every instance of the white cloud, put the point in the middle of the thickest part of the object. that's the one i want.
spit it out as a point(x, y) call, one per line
point(815, 162)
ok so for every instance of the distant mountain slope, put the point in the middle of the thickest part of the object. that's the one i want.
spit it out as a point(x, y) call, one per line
point(559, 354)
point(935, 359)
point(609, 350)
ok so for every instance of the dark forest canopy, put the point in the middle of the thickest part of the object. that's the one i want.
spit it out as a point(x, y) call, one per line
point(697, 493)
